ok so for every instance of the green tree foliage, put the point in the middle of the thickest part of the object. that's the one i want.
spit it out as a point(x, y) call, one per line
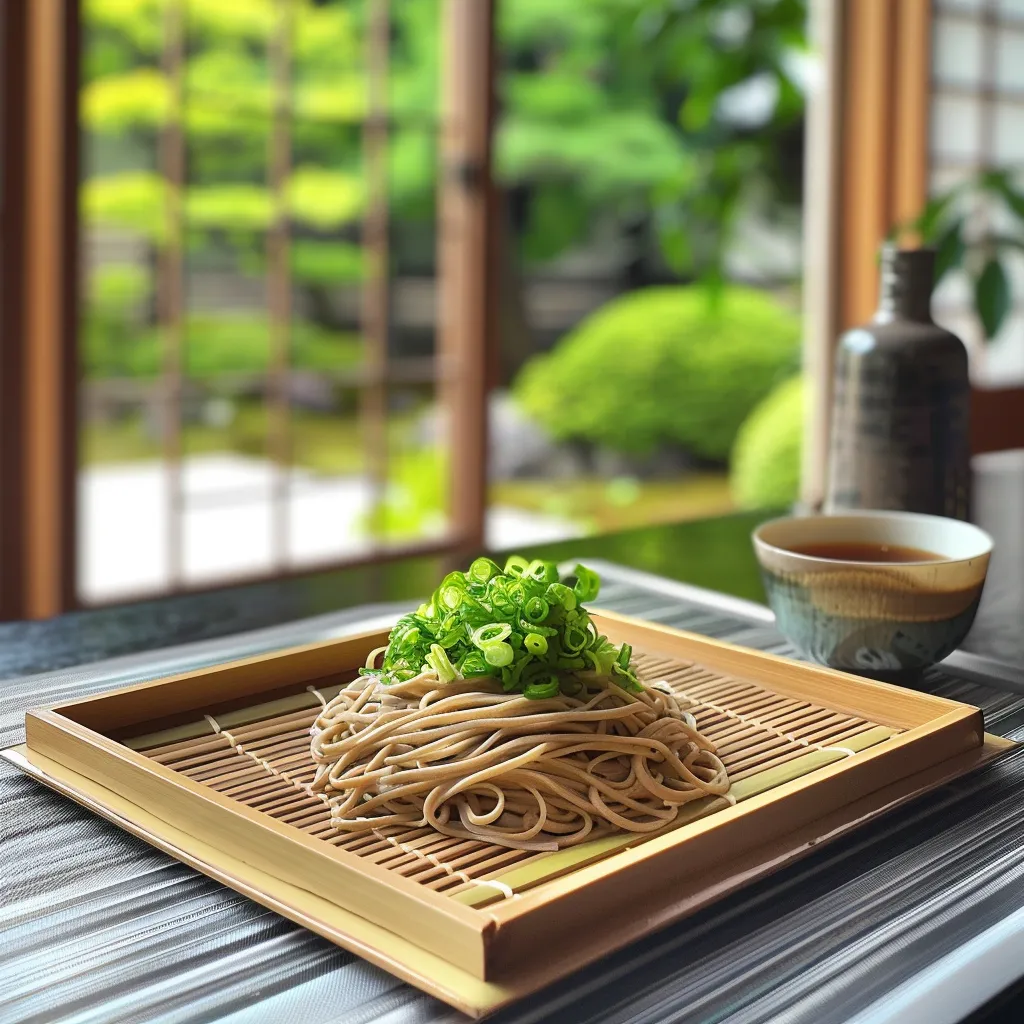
point(627, 109)
point(765, 469)
point(608, 108)
point(663, 366)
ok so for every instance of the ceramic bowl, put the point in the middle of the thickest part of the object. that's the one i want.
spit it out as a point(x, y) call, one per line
point(874, 617)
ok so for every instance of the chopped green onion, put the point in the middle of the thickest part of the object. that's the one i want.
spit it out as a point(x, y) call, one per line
point(588, 583)
point(482, 569)
point(540, 691)
point(535, 643)
point(498, 654)
point(559, 593)
point(491, 633)
point(438, 661)
point(516, 565)
point(520, 625)
point(541, 571)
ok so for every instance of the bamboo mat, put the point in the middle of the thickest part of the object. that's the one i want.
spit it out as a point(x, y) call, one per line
point(260, 757)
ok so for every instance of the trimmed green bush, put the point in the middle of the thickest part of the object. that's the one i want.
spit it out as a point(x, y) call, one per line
point(414, 501)
point(215, 344)
point(663, 366)
point(765, 468)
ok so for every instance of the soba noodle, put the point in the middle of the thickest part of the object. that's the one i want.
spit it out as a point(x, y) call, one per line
point(472, 761)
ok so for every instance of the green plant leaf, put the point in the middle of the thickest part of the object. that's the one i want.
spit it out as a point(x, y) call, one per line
point(1015, 201)
point(1001, 183)
point(994, 180)
point(930, 218)
point(950, 250)
point(992, 297)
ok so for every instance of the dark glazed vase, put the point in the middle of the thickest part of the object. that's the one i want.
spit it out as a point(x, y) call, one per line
point(901, 405)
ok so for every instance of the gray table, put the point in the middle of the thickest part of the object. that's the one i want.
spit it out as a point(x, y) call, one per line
point(917, 917)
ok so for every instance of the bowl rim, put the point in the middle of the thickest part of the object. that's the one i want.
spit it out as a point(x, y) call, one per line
point(984, 537)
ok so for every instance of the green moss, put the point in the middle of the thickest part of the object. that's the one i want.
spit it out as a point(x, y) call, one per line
point(765, 470)
point(663, 366)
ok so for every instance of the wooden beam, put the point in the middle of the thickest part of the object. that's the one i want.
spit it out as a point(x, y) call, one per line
point(912, 75)
point(866, 152)
point(50, 376)
point(466, 257)
point(13, 125)
point(886, 99)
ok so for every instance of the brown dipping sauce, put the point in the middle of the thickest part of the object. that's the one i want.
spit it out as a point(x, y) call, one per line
point(860, 551)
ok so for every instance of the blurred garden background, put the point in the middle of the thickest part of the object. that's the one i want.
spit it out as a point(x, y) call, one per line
point(649, 155)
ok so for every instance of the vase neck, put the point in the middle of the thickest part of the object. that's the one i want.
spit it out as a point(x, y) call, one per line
point(907, 278)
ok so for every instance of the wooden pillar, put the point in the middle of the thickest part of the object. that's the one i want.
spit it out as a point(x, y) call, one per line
point(13, 119)
point(884, 141)
point(867, 174)
point(39, 309)
point(912, 109)
point(467, 257)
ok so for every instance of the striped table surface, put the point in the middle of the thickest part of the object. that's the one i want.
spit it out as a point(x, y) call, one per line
point(919, 916)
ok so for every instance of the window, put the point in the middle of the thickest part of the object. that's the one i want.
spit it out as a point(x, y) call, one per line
point(213, 366)
point(977, 123)
point(258, 321)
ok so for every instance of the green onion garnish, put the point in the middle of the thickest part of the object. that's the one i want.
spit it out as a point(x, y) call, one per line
point(521, 625)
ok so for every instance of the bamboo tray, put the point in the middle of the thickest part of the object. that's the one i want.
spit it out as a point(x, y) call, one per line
point(211, 766)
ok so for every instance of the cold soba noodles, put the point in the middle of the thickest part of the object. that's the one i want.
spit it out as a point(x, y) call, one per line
point(497, 712)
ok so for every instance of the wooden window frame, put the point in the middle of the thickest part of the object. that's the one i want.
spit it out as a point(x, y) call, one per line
point(39, 56)
point(38, 295)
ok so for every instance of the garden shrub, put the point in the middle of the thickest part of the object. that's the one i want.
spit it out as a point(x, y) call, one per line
point(663, 366)
point(115, 298)
point(414, 501)
point(118, 345)
point(765, 469)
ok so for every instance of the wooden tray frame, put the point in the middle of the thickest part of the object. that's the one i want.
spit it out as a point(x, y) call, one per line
point(496, 945)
